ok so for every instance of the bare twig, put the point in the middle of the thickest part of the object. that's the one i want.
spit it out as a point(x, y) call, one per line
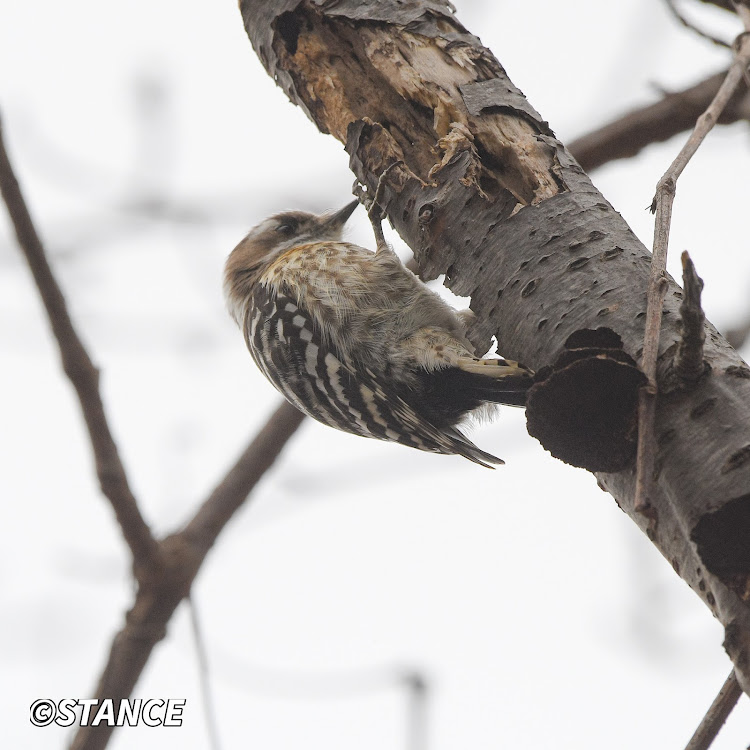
point(715, 717)
point(200, 650)
point(419, 693)
point(689, 25)
point(84, 377)
point(688, 363)
point(647, 394)
point(662, 205)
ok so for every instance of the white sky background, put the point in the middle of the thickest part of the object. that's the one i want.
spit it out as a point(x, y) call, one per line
point(539, 614)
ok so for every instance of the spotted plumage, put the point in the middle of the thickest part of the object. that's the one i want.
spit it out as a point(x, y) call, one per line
point(356, 341)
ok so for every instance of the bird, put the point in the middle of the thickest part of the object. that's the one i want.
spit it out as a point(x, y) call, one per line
point(355, 340)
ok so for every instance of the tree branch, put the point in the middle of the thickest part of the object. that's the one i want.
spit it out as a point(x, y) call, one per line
point(723, 4)
point(486, 195)
point(184, 553)
point(689, 25)
point(201, 532)
point(717, 715)
point(165, 570)
point(674, 113)
point(84, 377)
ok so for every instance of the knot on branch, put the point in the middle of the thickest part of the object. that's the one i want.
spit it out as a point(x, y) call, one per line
point(665, 188)
point(583, 409)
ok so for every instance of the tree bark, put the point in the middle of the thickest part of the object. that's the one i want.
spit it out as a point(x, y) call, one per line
point(485, 194)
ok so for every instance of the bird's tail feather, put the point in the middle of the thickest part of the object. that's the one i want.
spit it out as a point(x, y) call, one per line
point(501, 381)
point(464, 447)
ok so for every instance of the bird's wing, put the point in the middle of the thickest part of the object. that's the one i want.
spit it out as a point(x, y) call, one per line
point(288, 349)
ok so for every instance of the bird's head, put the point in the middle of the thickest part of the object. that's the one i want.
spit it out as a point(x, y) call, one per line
point(266, 241)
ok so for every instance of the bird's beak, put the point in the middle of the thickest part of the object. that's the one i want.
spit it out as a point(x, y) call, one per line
point(338, 219)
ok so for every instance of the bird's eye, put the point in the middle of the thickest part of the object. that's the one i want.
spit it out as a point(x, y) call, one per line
point(287, 227)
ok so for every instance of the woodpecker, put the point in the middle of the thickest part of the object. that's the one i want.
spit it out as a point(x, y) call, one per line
point(355, 340)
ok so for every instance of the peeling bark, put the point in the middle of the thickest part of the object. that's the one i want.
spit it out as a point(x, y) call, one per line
point(485, 194)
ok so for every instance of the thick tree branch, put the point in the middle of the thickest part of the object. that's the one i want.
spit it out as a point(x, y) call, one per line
point(84, 377)
point(486, 195)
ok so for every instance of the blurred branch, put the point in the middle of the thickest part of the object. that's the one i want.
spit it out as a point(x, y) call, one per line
point(165, 570)
point(83, 375)
point(201, 653)
point(725, 4)
point(739, 335)
point(419, 697)
point(689, 25)
point(676, 112)
point(184, 553)
point(225, 500)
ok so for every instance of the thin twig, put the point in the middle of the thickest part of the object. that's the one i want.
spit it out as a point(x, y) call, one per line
point(83, 375)
point(688, 362)
point(647, 394)
point(690, 25)
point(417, 725)
point(200, 649)
point(662, 205)
point(715, 717)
